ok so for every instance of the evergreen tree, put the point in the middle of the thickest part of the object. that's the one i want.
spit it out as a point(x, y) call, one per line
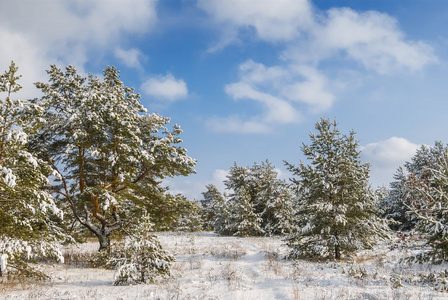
point(429, 204)
point(108, 152)
point(28, 215)
point(210, 198)
point(270, 198)
point(337, 209)
point(396, 206)
point(222, 210)
point(246, 222)
point(139, 258)
point(189, 217)
point(278, 215)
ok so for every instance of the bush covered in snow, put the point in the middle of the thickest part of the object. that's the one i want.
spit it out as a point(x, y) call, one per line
point(140, 257)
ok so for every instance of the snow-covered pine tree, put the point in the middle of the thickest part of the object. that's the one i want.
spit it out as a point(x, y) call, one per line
point(222, 210)
point(337, 209)
point(28, 214)
point(189, 217)
point(269, 196)
point(278, 215)
point(139, 258)
point(397, 204)
point(429, 204)
point(211, 197)
point(109, 153)
point(245, 221)
point(264, 184)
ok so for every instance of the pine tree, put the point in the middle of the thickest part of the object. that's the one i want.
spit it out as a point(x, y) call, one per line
point(222, 210)
point(210, 198)
point(429, 204)
point(139, 258)
point(397, 204)
point(108, 152)
point(278, 214)
point(189, 218)
point(270, 198)
point(28, 214)
point(245, 221)
point(337, 209)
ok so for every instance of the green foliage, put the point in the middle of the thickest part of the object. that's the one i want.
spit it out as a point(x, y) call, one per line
point(139, 258)
point(108, 152)
point(189, 217)
point(212, 196)
point(28, 215)
point(397, 204)
point(337, 210)
point(430, 206)
point(257, 199)
point(246, 221)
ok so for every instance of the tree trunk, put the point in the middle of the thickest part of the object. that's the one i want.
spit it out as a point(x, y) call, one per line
point(337, 253)
point(103, 239)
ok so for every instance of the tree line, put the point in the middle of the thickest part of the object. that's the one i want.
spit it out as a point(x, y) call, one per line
point(329, 210)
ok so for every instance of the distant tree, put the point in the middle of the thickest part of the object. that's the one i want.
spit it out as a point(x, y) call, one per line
point(245, 221)
point(397, 205)
point(189, 217)
point(28, 215)
point(278, 214)
point(271, 199)
point(337, 210)
point(108, 152)
point(211, 197)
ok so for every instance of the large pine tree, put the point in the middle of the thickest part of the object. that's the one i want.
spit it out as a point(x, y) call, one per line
point(109, 153)
point(336, 213)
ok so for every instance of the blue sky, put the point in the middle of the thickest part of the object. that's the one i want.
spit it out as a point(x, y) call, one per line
point(248, 79)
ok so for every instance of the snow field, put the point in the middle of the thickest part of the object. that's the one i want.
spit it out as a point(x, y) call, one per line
point(212, 267)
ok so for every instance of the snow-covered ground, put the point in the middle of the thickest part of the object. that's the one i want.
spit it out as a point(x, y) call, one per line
point(213, 267)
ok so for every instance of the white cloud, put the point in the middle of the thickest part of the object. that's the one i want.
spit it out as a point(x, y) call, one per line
point(313, 90)
point(165, 87)
point(235, 124)
point(130, 58)
point(218, 178)
point(370, 41)
point(370, 38)
point(277, 109)
point(36, 34)
point(280, 90)
point(386, 156)
point(373, 39)
point(279, 20)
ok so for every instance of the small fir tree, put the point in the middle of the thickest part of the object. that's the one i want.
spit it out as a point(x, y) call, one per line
point(337, 210)
point(139, 258)
point(189, 217)
point(222, 210)
point(278, 214)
